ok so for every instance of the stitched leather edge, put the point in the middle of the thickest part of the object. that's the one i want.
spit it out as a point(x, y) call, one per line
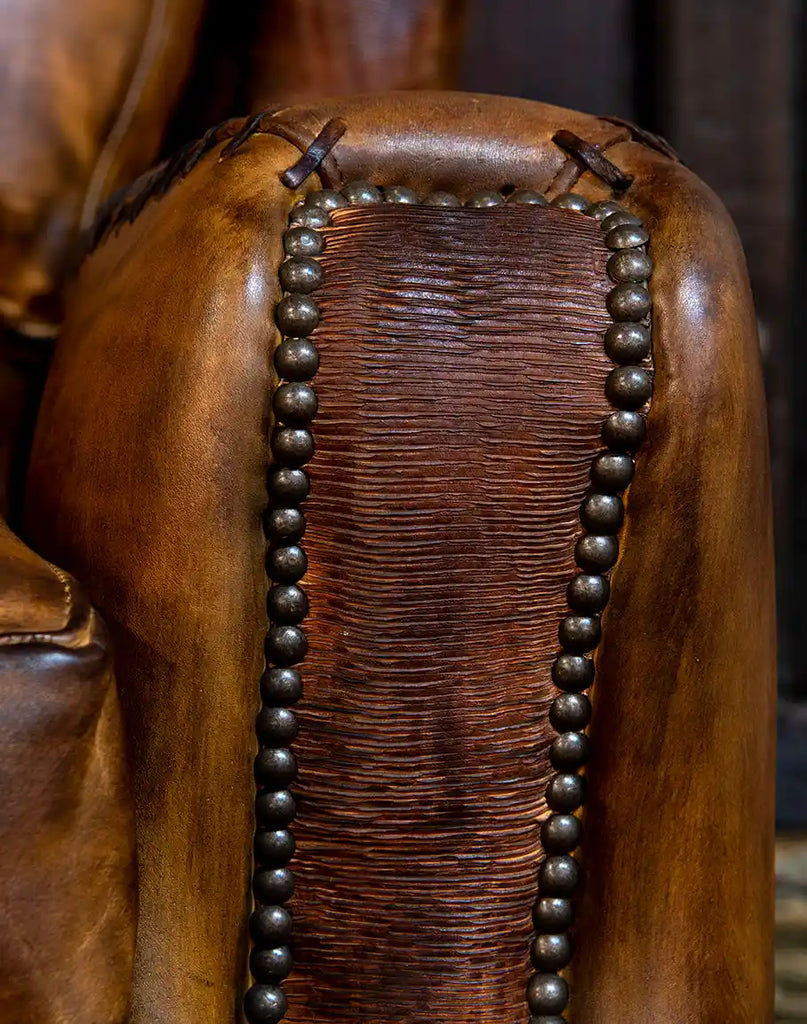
point(82, 625)
point(125, 205)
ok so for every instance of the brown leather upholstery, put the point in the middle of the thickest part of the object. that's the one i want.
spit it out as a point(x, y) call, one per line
point(147, 482)
point(66, 838)
point(90, 88)
point(438, 571)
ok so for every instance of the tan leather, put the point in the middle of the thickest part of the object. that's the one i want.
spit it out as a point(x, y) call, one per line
point(88, 89)
point(66, 829)
point(697, 567)
point(188, 489)
point(172, 320)
point(36, 597)
point(400, 137)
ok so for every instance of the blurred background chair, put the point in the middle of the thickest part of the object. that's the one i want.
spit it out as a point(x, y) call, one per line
point(93, 91)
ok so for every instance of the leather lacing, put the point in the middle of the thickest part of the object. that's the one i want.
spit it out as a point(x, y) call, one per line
point(125, 205)
point(317, 155)
point(590, 157)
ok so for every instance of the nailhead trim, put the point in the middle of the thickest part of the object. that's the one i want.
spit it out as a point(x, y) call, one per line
point(296, 358)
point(628, 388)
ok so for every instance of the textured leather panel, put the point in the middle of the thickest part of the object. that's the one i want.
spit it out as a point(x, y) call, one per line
point(461, 393)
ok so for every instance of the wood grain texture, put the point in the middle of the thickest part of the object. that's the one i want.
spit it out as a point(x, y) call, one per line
point(461, 394)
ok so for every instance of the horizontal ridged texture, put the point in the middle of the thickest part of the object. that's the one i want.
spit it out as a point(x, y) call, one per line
point(461, 396)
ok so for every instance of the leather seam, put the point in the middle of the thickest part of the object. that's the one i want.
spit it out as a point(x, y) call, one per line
point(134, 92)
point(68, 606)
point(570, 164)
point(127, 203)
point(67, 593)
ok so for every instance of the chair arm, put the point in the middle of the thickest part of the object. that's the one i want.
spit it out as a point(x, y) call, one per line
point(66, 834)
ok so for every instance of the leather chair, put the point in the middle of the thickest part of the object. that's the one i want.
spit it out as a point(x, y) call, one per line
point(431, 311)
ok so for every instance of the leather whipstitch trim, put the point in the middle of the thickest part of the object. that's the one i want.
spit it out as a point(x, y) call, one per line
point(592, 158)
point(125, 205)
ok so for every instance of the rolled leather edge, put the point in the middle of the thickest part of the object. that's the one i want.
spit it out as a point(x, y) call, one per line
point(67, 865)
point(166, 536)
point(677, 917)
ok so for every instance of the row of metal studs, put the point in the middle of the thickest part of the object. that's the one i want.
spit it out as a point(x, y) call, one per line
point(628, 387)
point(292, 444)
point(294, 406)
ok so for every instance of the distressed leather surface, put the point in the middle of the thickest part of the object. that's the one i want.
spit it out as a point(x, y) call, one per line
point(461, 391)
point(66, 831)
point(172, 318)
